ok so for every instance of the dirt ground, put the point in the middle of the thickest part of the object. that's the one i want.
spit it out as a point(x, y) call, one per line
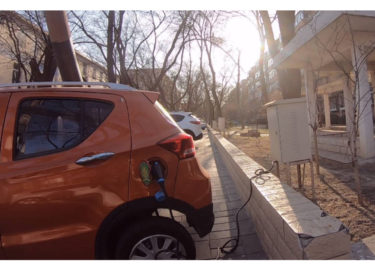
point(335, 193)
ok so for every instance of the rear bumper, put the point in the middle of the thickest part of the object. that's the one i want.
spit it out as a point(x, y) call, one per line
point(202, 220)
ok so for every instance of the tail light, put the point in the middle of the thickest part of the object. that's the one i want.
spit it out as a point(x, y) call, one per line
point(195, 122)
point(180, 144)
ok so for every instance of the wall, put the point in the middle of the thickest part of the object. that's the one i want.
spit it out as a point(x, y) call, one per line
point(289, 225)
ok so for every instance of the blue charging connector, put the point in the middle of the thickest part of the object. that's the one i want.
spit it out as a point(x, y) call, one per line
point(157, 172)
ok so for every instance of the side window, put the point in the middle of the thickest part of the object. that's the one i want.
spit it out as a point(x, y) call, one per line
point(177, 118)
point(46, 126)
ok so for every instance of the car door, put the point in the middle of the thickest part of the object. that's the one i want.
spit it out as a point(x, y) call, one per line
point(4, 98)
point(64, 166)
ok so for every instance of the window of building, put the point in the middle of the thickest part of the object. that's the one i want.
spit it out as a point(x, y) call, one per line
point(84, 69)
point(47, 126)
point(337, 108)
point(16, 73)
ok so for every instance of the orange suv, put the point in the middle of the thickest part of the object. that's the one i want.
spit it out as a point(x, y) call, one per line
point(86, 170)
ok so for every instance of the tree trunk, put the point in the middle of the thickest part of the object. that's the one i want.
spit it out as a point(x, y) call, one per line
point(110, 47)
point(357, 176)
point(238, 94)
point(270, 39)
point(286, 23)
point(263, 84)
point(289, 79)
point(316, 149)
point(58, 27)
point(272, 45)
point(49, 67)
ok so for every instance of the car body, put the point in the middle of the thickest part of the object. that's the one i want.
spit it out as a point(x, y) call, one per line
point(70, 180)
point(189, 123)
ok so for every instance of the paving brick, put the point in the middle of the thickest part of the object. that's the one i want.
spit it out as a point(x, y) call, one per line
point(347, 256)
point(215, 243)
point(257, 256)
point(238, 254)
point(203, 250)
point(196, 237)
point(226, 201)
point(251, 244)
point(223, 234)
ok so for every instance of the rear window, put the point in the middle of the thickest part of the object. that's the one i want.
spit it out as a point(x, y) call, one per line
point(177, 117)
point(46, 126)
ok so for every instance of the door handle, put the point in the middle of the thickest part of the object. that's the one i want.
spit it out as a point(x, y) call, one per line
point(88, 159)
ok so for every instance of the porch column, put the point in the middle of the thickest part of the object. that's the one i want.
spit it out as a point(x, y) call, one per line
point(363, 98)
point(327, 111)
point(310, 99)
point(349, 107)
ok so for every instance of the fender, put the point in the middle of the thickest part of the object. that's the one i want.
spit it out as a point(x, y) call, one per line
point(202, 220)
point(2, 255)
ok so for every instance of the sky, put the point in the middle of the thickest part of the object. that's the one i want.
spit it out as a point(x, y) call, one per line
point(240, 34)
point(243, 37)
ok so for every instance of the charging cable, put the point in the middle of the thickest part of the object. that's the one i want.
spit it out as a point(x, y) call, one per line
point(157, 172)
point(257, 175)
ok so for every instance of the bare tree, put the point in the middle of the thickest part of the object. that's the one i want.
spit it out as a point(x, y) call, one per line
point(262, 65)
point(206, 24)
point(139, 48)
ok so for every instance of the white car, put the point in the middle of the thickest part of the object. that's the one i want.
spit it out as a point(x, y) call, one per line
point(189, 123)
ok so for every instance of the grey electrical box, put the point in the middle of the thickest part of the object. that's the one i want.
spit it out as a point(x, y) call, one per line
point(289, 130)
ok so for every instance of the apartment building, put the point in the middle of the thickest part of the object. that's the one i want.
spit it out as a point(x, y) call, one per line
point(270, 77)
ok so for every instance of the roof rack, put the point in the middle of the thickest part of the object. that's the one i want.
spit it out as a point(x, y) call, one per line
point(70, 83)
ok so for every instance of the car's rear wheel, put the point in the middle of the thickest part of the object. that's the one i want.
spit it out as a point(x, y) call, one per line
point(155, 238)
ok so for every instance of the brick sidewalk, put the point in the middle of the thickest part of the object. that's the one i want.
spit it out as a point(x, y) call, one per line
point(226, 203)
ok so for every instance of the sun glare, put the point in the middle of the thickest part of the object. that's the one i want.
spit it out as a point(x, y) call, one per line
point(242, 37)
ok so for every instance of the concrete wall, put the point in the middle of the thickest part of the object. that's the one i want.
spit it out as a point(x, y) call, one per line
point(289, 225)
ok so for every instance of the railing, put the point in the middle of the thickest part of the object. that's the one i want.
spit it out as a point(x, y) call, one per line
point(63, 84)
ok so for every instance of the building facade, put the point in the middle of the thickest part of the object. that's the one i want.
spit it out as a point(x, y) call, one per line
point(335, 50)
point(22, 40)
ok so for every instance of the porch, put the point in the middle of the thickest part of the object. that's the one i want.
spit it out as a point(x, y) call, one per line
point(335, 51)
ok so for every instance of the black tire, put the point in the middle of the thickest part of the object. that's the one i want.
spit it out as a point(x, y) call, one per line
point(199, 137)
point(155, 238)
point(190, 133)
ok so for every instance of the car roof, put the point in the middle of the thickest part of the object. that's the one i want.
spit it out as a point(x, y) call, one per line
point(180, 112)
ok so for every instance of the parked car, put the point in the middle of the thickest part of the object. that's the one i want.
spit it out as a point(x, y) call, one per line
point(189, 123)
point(203, 125)
point(86, 172)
